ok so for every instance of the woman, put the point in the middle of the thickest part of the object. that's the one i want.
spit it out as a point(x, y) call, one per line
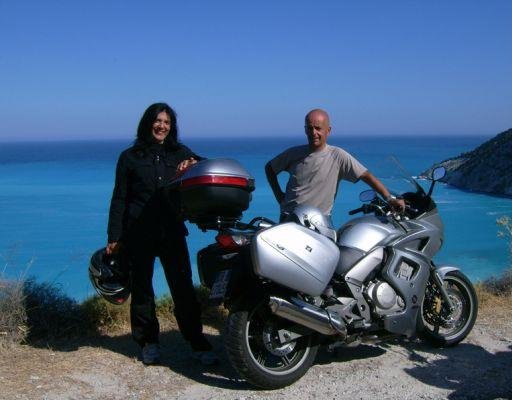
point(141, 220)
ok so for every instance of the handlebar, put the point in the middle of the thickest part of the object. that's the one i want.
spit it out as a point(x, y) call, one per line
point(365, 208)
point(357, 210)
point(382, 207)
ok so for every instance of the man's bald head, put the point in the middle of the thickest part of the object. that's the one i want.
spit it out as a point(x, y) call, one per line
point(318, 128)
point(318, 112)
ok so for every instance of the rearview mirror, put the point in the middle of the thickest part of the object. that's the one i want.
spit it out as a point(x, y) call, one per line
point(438, 173)
point(367, 195)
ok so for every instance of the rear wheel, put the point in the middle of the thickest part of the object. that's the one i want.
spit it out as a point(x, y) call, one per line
point(437, 323)
point(254, 348)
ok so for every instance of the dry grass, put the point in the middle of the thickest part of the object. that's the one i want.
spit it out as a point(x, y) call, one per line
point(494, 312)
point(494, 304)
point(495, 290)
point(13, 316)
point(30, 311)
point(114, 319)
point(35, 312)
point(495, 301)
point(106, 317)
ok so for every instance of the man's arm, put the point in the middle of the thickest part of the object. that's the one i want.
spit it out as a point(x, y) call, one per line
point(273, 182)
point(379, 187)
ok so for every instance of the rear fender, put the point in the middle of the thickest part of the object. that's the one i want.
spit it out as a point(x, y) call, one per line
point(241, 277)
point(241, 281)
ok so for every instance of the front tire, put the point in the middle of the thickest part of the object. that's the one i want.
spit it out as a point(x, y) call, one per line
point(257, 354)
point(439, 325)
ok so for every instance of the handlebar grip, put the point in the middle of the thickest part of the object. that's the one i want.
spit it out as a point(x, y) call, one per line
point(357, 210)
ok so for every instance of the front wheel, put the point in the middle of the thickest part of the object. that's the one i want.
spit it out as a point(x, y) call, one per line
point(257, 353)
point(436, 322)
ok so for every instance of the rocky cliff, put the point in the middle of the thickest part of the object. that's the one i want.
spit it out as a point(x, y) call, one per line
point(488, 168)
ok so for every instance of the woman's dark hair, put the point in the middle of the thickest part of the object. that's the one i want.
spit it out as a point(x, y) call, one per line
point(145, 129)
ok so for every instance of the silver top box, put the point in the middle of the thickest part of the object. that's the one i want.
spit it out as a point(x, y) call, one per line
point(219, 171)
point(214, 193)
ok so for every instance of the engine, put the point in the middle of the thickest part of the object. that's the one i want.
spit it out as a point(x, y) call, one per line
point(384, 298)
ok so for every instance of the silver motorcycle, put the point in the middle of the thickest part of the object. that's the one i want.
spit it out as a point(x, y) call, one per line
point(293, 286)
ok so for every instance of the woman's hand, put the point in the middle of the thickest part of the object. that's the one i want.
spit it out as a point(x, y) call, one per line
point(112, 248)
point(182, 166)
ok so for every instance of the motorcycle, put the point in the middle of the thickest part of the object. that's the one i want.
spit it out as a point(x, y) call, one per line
point(293, 286)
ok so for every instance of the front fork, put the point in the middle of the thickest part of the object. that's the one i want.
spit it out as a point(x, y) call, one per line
point(438, 282)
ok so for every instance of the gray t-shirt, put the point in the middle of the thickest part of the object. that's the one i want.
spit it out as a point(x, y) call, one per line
point(314, 176)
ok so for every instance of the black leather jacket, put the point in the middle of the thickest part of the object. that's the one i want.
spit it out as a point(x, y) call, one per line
point(141, 173)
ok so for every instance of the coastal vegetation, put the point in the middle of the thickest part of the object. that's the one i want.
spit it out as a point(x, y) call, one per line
point(34, 312)
point(31, 312)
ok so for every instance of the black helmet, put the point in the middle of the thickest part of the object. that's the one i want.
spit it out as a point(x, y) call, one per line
point(109, 277)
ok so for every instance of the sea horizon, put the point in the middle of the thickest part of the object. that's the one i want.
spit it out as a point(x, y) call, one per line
point(299, 135)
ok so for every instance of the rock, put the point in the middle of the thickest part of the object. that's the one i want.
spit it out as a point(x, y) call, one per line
point(487, 169)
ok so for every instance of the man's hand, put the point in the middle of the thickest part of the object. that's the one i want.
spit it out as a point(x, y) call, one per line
point(397, 205)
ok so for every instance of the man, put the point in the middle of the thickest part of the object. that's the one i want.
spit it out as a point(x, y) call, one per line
point(316, 170)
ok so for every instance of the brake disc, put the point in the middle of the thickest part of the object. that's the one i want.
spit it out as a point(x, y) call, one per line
point(272, 343)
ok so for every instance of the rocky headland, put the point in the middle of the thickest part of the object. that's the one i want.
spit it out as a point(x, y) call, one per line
point(486, 169)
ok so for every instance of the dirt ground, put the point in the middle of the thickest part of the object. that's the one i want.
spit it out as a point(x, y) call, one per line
point(108, 368)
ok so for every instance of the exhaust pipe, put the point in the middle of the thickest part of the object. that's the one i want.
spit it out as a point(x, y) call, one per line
point(308, 315)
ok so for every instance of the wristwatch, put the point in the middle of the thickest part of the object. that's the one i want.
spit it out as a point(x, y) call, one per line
point(390, 197)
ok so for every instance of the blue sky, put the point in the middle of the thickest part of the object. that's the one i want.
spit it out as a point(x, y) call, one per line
point(88, 69)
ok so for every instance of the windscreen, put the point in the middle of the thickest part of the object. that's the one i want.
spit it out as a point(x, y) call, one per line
point(396, 177)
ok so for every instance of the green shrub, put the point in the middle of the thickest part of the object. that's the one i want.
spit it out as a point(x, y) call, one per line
point(505, 224)
point(50, 313)
point(502, 285)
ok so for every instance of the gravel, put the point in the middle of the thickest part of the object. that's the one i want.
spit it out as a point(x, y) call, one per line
point(109, 368)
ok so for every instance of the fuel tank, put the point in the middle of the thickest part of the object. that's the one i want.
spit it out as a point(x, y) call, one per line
point(360, 235)
point(296, 257)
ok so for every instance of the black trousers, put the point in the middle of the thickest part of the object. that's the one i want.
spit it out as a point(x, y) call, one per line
point(173, 253)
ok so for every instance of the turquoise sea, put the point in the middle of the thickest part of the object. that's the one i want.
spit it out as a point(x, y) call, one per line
point(54, 199)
